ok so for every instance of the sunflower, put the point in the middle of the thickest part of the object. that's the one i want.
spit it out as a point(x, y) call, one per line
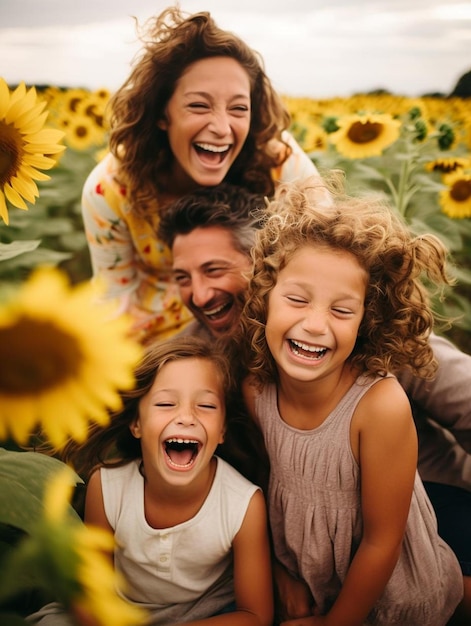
point(82, 132)
point(24, 144)
point(362, 136)
point(99, 582)
point(90, 547)
point(455, 200)
point(70, 561)
point(446, 165)
point(63, 359)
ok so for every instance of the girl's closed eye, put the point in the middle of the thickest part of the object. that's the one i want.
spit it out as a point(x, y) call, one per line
point(342, 311)
point(296, 299)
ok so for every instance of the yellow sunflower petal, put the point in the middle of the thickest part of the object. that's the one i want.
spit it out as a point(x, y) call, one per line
point(18, 93)
point(3, 209)
point(26, 188)
point(4, 98)
point(57, 495)
point(39, 161)
point(45, 140)
point(14, 197)
point(33, 120)
point(31, 172)
point(20, 107)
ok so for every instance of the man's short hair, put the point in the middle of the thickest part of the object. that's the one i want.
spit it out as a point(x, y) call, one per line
point(225, 205)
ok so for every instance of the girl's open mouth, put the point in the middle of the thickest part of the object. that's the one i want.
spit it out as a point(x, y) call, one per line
point(182, 453)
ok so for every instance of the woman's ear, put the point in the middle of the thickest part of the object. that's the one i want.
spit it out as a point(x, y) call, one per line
point(135, 428)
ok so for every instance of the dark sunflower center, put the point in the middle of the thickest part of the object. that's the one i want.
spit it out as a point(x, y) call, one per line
point(461, 190)
point(35, 356)
point(445, 166)
point(81, 131)
point(11, 151)
point(360, 132)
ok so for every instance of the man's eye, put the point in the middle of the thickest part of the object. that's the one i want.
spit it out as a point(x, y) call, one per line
point(216, 271)
point(181, 279)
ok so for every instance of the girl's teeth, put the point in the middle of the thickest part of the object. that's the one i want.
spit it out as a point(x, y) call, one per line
point(305, 347)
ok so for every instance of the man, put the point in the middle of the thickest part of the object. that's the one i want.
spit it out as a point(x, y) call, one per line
point(211, 233)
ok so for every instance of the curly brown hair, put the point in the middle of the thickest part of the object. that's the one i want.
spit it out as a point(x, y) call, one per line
point(171, 42)
point(402, 268)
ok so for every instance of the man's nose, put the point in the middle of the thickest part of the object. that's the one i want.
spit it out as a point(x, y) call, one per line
point(202, 293)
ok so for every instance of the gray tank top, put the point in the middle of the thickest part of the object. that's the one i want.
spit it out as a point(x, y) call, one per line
point(315, 515)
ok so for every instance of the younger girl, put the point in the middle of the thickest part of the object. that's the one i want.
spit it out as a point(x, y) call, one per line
point(335, 306)
point(191, 532)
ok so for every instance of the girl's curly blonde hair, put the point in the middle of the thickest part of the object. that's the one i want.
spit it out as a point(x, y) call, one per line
point(398, 318)
point(171, 42)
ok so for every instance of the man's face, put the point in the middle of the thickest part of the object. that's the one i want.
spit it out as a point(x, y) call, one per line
point(209, 271)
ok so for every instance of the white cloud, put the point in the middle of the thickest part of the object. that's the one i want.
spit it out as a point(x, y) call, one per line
point(311, 48)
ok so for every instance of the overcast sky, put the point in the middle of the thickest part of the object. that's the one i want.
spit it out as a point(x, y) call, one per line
point(313, 48)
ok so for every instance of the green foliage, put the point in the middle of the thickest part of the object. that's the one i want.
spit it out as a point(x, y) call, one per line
point(51, 232)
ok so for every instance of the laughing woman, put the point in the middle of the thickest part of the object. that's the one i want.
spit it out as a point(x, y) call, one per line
point(197, 109)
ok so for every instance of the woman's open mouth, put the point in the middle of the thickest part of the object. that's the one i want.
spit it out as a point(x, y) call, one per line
point(212, 154)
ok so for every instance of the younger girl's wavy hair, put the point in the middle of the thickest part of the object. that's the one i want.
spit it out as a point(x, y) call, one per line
point(171, 42)
point(398, 318)
point(114, 445)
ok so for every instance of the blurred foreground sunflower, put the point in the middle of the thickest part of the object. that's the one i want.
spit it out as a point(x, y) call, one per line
point(25, 146)
point(62, 556)
point(455, 200)
point(362, 136)
point(62, 359)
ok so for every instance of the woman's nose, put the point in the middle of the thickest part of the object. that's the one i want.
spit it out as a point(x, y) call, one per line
point(219, 124)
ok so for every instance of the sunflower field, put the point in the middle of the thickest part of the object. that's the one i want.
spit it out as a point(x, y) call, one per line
point(416, 151)
point(57, 351)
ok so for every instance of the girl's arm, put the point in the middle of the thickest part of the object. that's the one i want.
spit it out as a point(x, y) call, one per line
point(252, 573)
point(94, 505)
point(387, 453)
point(293, 598)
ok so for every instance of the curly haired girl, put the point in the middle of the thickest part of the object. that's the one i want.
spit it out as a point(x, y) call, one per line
point(336, 305)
